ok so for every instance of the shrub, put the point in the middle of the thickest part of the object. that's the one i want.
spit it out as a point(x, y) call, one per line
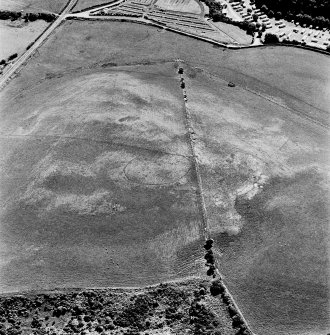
point(210, 271)
point(217, 287)
point(13, 56)
point(208, 244)
point(209, 257)
point(237, 321)
point(225, 298)
point(231, 310)
point(99, 329)
point(36, 323)
point(271, 38)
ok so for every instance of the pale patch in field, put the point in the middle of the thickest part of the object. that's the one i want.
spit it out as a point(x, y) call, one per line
point(189, 6)
point(161, 170)
point(281, 201)
point(99, 202)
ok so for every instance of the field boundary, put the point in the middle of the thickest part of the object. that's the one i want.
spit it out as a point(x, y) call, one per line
point(200, 193)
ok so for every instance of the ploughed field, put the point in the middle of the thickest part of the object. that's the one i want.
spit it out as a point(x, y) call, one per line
point(98, 188)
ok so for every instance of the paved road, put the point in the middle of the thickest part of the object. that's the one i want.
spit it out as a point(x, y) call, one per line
point(12, 68)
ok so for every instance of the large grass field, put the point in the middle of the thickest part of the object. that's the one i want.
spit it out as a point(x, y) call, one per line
point(97, 186)
point(53, 6)
point(105, 195)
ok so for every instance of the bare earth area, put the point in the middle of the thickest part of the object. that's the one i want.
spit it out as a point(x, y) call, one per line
point(53, 6)
point(16, 36)
point(97, 184)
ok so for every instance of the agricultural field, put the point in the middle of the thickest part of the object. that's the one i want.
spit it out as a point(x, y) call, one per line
point(97, 181)
point(84, 4)
point(16, 36)
point(189, 6)
point(37, 6)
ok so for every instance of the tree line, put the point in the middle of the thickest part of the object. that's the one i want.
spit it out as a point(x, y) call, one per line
point(309, 12)
point(27, 17)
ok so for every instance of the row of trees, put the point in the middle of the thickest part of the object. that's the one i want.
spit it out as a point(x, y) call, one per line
point(4, 62)
point(218, 288)
point(273, 39)
point(307, 12)
point(27, 17)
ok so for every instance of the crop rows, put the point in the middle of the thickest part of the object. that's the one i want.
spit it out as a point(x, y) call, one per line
point(180, 21)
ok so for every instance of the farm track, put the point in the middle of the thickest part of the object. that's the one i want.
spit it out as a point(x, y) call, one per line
point(195, 163)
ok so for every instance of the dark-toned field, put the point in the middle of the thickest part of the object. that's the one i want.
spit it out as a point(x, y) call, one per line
point(97, 185)
point(53, 6)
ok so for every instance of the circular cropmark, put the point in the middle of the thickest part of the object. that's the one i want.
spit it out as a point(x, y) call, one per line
point(160, 169)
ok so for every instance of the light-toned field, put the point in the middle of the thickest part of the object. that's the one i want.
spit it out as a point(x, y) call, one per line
point(53, 6)
point(189, 6)
point(84, 4)
point(15, 37)
point(97, 186)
